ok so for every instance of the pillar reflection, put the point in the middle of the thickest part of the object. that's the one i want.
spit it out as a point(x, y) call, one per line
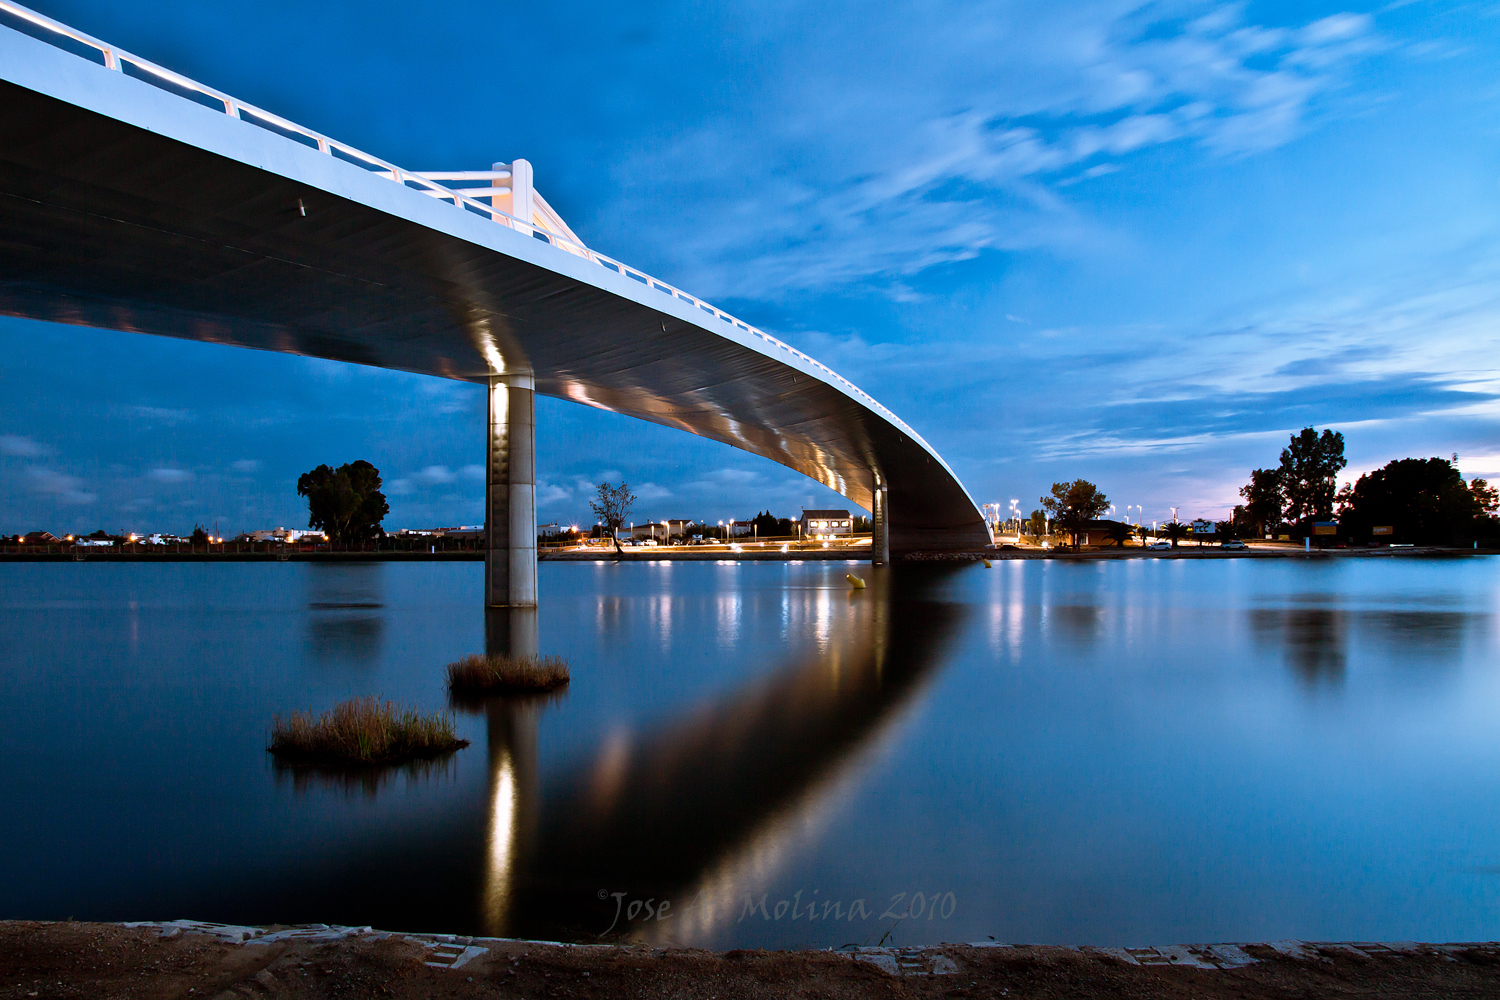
point(723, 795)
point(514, 789)
point(513, 783)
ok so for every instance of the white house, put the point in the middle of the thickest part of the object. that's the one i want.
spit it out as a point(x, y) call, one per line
point(645, 529)
point(285, 535)
point(825, 523)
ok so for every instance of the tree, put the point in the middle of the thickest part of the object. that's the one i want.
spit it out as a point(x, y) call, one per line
point(767, 525)
point(1119, 532)
point(611, 505)
point(1174, 530)
point(200, 535)
point(1308, 467)
point(344, 503)
point(1075, 504)
point(1424, 499)
point(1264, 500)
point(1038, 524)
point(1485, 495)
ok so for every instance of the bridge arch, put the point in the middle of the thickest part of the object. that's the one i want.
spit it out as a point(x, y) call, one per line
point(135, 199)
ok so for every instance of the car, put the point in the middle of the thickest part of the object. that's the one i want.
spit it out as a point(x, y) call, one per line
point(1159, 546)
point(1235, 545)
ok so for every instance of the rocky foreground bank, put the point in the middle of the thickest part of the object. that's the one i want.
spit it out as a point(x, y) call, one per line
point(193, 960)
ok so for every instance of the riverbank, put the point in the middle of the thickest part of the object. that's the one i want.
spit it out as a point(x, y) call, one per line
point(238, 557)
point(749, 555)
point(186, 959)
point(586, 555)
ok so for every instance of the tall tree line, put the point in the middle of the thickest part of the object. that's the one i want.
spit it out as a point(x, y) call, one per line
point(1422, 500)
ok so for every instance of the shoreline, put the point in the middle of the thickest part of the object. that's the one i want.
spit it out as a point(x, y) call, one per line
point(191, 958)
point(689, 555)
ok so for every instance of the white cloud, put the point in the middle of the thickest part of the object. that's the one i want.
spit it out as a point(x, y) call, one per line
point(246, 466)
point(23, 447)
point(170, 476)
point(650, 491)
point(445, 396)
point(1403, 365)
point(157, 415)
point(434, 475)
point(900, 150)
point(1334, 28)
point(1479, 465)
point(67, 489)
point(732, 477)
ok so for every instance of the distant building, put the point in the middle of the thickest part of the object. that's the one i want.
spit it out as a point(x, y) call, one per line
point(39, 538)
point(646, 529)
point(284, 535)
point(163, 539)
point(823, 523)
point(741, 529)
point(1098, 532)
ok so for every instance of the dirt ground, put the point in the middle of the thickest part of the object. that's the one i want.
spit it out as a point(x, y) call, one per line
point(107, 961)
point(110, 961)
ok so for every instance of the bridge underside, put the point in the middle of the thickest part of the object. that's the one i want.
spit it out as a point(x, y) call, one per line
point(106, 223)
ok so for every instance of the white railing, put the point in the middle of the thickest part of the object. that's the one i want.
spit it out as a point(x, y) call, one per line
point(466, 198)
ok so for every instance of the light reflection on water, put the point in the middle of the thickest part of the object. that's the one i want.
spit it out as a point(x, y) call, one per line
point(1115, 753)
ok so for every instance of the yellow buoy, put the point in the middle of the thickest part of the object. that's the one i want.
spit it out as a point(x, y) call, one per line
point(986, 564)
point(854, 581)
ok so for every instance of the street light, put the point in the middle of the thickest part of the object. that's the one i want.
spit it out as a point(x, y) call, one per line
point(992, 516)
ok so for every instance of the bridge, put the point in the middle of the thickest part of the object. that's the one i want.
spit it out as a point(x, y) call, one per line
point(133, 198)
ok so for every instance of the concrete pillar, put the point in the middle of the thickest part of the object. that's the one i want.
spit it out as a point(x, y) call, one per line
point(511, 631)
point(510, 494)
point(880, 529)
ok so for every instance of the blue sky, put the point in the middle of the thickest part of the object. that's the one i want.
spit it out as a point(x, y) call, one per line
point(1136, 243)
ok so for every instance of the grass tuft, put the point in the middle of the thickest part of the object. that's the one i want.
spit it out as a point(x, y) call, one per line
point(499, 672)
point(363, 731)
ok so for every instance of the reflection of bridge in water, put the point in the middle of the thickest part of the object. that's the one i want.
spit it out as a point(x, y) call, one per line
point(712, 804)
point(133, 198)
point(720, 797)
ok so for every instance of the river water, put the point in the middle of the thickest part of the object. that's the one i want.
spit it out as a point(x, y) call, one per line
point(753, 755)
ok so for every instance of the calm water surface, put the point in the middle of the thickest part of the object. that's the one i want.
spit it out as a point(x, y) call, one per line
point(1121, 753)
